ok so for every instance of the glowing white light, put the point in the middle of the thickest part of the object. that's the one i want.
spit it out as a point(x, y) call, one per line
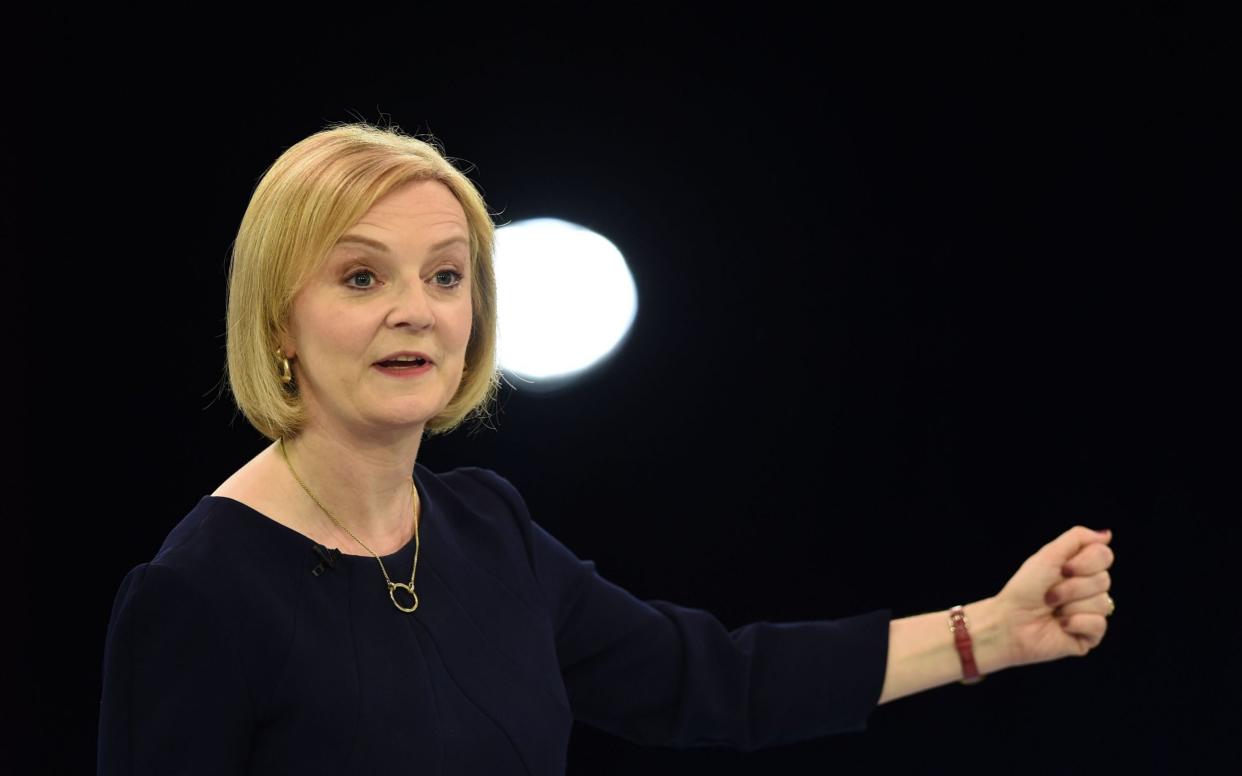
point(566, 299)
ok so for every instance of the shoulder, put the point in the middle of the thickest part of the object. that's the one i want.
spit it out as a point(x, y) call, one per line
point(209, 537)
point(482, 510)
point(192, 539)
point(478, 494)
point(221, 576)
point(482, 490)
point(223, 557)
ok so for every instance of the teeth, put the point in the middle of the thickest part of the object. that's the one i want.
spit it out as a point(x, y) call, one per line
point(407, 358)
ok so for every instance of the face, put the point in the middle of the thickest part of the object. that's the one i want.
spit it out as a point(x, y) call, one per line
point(408, 289)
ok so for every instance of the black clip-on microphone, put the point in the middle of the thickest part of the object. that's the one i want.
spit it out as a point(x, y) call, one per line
point(326, 555)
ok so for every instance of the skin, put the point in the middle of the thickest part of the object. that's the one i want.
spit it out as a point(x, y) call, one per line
point(1018, 626)
point(364, 427)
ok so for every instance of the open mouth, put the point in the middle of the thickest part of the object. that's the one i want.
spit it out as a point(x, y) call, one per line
point(403, 364)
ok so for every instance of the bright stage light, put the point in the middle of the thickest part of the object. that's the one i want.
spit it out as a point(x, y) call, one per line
point(566, 299)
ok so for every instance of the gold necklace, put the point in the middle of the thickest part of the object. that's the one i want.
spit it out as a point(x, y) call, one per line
point(392, 586)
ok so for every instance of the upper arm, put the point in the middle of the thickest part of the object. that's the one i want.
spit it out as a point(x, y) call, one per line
point(175, 698)
point(662, 674)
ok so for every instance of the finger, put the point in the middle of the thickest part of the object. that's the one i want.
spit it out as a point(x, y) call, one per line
point(1100, 603)
point(1093, 558)
point(1088, 630)
point(1068, 544)
point(1078, 588)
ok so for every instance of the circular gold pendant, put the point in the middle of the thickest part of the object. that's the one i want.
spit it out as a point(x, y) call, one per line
point(392, 593)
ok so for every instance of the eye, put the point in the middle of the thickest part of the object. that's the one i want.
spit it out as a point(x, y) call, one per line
point(358, 273)
point(459, 277)
point(454, 279)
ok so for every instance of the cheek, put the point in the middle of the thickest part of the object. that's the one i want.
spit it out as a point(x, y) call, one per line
point(335, 338)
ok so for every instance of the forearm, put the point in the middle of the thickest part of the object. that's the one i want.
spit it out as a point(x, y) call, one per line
point(921, 653)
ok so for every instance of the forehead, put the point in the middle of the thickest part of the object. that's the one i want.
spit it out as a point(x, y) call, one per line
point(415, 207)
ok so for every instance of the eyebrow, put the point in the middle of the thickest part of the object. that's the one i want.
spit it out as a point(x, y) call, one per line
point(379, 246)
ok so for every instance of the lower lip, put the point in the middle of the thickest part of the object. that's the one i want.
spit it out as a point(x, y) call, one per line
point(409, 371)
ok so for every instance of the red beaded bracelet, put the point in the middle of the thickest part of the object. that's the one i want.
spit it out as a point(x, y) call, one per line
point(961, 639)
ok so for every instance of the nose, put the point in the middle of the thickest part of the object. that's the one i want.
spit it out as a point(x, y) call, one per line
point(411, 306)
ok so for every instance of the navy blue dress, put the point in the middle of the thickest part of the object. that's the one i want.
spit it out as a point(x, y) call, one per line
point(226, 654)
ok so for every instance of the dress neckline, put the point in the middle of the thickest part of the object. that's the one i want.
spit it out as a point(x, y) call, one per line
point(406, 549)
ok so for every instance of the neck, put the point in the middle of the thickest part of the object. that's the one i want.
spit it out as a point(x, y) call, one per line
point(365, 485)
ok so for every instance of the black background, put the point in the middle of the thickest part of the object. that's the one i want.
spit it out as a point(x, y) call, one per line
point(916, 296)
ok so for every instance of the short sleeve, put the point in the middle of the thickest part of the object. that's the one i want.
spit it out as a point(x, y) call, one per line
point(174, 697)
point(661, 674)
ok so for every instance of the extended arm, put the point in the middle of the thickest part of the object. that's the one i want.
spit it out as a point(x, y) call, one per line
point(661, 674)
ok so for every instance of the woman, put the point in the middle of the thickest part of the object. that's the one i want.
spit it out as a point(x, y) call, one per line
point(276, 630)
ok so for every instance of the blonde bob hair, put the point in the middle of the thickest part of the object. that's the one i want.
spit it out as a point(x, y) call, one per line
point(306, 200)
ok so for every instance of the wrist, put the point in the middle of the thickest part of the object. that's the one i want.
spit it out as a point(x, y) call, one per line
point(988, 635)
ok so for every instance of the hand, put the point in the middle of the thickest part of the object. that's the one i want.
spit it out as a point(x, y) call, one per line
point(1073, 624)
